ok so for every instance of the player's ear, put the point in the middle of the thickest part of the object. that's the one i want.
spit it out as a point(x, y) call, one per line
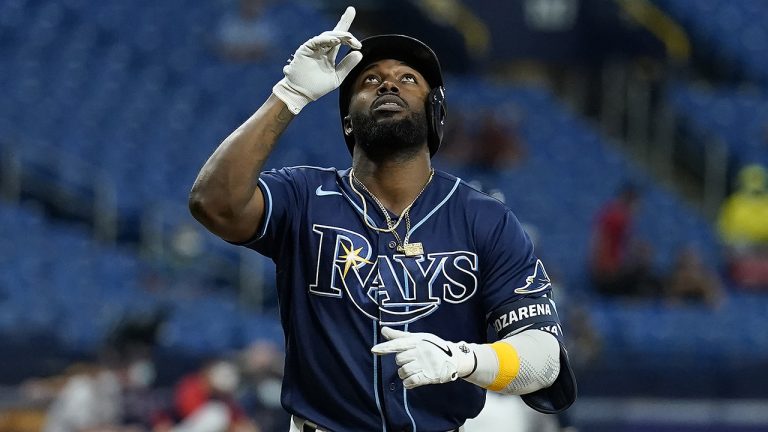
point(347, 126)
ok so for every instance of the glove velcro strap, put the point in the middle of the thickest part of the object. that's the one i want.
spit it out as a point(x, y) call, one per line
point(292, 98)
point(474, 366)
point(509, 365)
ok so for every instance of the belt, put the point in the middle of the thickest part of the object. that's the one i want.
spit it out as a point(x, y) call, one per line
point(303, 425)
point(309, 428)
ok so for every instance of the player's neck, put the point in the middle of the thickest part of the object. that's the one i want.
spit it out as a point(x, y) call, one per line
point(394, 183)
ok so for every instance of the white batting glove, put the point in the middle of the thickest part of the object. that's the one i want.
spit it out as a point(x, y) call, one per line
point(313, 72)
point(425, 358)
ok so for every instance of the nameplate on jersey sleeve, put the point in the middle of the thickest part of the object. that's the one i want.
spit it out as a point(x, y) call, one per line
point(526, 313)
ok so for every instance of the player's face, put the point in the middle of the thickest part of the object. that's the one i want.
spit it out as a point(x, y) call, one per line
point(387, 109)
point(389, 90)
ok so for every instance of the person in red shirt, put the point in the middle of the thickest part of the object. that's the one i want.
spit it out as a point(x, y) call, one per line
point(204, 401)
point(611, 242)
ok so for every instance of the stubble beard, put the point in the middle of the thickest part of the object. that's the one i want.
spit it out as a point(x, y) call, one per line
point(391, 139)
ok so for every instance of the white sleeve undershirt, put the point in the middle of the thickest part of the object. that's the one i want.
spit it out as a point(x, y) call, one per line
point(539, 355)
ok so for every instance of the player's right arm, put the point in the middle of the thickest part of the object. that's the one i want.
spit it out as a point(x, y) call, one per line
point(225, 197)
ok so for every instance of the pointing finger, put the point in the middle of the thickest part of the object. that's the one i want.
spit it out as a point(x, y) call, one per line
point(351, 41)
point(393, 346)
point(346, 19)
point(325, 40)
point(344, 37)
point(391, 333)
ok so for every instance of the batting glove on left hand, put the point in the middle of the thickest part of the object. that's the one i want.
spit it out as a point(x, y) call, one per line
point(425, 358)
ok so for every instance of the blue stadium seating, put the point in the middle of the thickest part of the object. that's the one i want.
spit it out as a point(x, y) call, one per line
point(572, 171)
point(737, 117)
point(147, 104)
point(56, 280)
point(733, 32)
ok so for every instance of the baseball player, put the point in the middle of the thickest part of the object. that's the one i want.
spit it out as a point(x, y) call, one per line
point(389, 273)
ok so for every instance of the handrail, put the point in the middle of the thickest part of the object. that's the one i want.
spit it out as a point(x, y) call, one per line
point(661, 25)
point(247, 273)
point(476, 35)
point(104, 210)
point(10, 174)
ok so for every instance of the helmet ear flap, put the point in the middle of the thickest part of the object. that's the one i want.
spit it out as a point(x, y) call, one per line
point(436, 114)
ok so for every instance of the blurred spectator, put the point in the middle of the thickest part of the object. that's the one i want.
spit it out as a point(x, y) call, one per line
point(185, 251)
point(204, 401)
point(639, 277)
point(457, 142)
point(187, 243)
point(744, 228)
point(113, 394)
point(134, 337)
point(619, 266)
point(744, 214)
point(691, 281)
point(491, 144)
point(262, 365)
point(39, 393)
point(92, 397)
point(584, 343)
point(498, 144)
point(245, 35)
point(135, 334)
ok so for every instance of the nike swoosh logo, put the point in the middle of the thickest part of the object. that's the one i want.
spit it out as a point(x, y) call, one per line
point(320, 192)
point(446, 350)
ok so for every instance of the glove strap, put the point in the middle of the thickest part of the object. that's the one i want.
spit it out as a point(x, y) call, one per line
point(292, 97)
point(474, 368)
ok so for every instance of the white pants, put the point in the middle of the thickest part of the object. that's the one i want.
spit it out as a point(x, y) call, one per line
point(506, 413)
point(211, 417)
point(297, 423)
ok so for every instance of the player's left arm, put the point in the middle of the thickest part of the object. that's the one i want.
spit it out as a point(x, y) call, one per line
point(519, 364)
point(529, 358)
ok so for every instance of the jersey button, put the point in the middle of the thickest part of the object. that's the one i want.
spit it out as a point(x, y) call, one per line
point(392, 244)
point(392, 386)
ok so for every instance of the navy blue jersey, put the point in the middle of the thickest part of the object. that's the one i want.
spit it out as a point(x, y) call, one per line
point(338, 281)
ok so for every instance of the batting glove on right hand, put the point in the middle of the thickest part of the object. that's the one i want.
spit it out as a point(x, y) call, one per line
point(425, 358)
point(313, 72)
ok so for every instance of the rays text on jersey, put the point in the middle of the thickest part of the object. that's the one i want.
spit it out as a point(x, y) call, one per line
point(393, 289)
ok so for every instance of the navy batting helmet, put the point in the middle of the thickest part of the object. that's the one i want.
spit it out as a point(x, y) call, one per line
point(418, 56)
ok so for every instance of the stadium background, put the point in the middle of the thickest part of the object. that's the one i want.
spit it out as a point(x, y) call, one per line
point(109, 108)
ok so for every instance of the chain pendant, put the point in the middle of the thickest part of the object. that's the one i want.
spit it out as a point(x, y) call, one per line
point(412, 249)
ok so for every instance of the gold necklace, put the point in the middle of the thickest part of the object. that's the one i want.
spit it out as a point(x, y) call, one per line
point(410, 249)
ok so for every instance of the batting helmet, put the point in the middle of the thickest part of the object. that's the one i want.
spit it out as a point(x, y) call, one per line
point(418, 56)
